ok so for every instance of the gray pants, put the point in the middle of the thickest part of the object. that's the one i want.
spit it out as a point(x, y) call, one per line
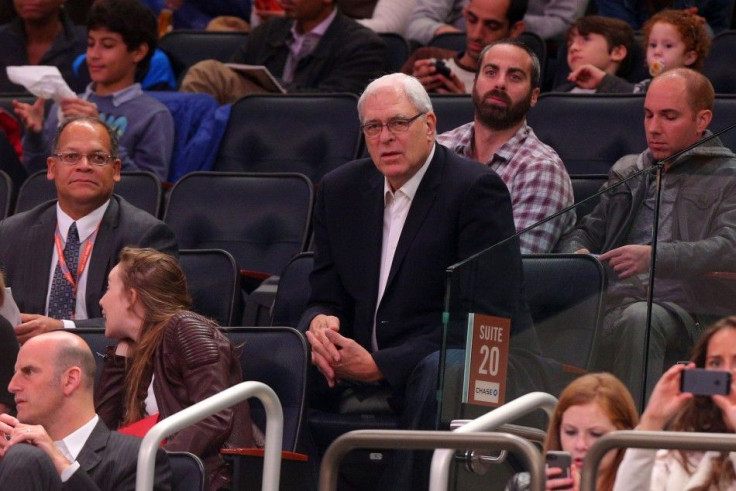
point(28, 468)
point(622, 346)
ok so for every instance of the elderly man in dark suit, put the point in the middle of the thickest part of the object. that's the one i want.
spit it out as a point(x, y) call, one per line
point(385, 230)
point(67, 446)
point(56, 257)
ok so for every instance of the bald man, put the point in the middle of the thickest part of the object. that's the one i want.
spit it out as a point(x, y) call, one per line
point(67, 445)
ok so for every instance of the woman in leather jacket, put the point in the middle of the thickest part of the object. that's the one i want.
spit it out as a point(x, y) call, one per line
point(166, 359)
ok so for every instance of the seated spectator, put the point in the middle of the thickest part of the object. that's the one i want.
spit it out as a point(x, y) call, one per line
point(506, 88)
point(313, 48)
point(41, 34)
point(589, 407)
point(166, 359)
point(671, 409)
point(673, 39)
point(8, 354)
point(717, 13)
point(379, 15)
point(696, 233)
point(121, 38)
point(598, 48)
point(487, 21)
point(57, 441)
point(547, 18)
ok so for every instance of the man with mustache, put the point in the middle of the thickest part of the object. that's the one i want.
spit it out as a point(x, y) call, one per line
point(506, 87)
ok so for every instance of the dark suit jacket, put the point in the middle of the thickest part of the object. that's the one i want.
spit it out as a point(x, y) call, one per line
point(460, 208)
point(109, 460)
point(27, 242)
point(347, 57)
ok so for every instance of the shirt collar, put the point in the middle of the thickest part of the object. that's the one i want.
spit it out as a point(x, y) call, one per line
point(74, 442)
point(85, 225)
point(120, 97)
point(466, 143)
point(319, 30)
point(409, 189)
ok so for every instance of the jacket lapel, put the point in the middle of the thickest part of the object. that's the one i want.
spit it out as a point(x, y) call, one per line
point(420, 206)
point(371, 228)
point(103, 256)
point(91, 454)
point(42, 232)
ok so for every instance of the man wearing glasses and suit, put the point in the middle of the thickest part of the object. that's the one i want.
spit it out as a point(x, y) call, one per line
point(56, 257)
point(385, 230)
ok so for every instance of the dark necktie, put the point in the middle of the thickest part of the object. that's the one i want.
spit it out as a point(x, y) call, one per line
point(62, 300)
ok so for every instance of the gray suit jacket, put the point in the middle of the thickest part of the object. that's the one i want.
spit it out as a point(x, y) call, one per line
point(108, 460)
point(26, 248)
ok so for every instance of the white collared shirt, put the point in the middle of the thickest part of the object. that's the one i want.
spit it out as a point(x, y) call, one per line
point(73, 443)
point(396, 208)
point(86, 226)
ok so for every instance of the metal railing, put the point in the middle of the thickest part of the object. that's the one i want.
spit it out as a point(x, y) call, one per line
point(426, 440)
point(207, 407)
point(512, 410)
point(680, 440)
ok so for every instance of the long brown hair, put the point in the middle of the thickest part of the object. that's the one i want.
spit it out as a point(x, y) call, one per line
point(701, 414)
point(161, 287)
point(613, 398)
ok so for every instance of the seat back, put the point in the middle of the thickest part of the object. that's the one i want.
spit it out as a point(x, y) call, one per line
point(278, 357)
point(213, 282)
point(718, 64)
point(449, 40)
point(590, 132)
point(583, 187)
point(6, 193)
point(98, 343)
point(397, 51)
point(724, 115)
point(142, 189)
point(538, 46)
point(452, 110)
point(261, 219)
point(321, 132)
point(292, 294)
point(185, 47)
point(187, 472)
point(565, 294)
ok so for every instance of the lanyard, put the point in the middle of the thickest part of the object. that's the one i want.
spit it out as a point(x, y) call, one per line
point(86, 253)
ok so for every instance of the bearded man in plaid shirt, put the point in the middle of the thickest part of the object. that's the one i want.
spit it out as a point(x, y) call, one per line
point(506, 87)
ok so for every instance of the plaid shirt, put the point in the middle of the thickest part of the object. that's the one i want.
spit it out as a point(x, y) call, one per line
point(537, 180)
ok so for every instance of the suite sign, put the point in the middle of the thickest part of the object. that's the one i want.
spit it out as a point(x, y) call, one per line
point(486, 360)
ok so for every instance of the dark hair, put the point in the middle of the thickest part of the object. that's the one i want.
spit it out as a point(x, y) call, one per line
point(691, 30)
point(516, 11)
point(135, 23)
point(616, 32)
point(702, 415)
point(536, 69)
point(86, 119)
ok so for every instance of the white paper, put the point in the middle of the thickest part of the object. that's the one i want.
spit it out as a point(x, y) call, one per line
point(42, 81)
point(9, 309)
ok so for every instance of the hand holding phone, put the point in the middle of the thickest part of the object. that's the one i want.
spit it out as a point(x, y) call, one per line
point(702, 382)
point(560, 460)
point(441, 68)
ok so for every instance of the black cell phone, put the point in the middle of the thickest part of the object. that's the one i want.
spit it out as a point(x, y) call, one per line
point(442, 68)
point(559, 459)
point(702, 382)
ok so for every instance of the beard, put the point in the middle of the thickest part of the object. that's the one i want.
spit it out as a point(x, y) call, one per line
point(500, 117)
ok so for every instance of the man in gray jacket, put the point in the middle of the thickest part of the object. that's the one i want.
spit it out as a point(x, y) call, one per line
point(697, 233)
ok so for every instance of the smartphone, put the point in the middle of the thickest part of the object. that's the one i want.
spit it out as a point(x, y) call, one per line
point(559, 459)
point(442, 68)
point(702, 382)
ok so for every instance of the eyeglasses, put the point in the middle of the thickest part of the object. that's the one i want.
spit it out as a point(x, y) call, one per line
point(95, 158)
point(394, 125)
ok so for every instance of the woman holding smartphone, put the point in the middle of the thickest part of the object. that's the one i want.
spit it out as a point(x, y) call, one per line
point(670, 408)
point(589, 407)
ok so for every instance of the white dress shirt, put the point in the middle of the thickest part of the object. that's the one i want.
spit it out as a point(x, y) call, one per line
point(72, 444)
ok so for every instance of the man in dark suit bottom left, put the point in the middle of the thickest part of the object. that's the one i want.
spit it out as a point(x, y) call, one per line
point(57, 441)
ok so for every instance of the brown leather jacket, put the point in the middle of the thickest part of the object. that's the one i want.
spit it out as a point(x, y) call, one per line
point(194, 361)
